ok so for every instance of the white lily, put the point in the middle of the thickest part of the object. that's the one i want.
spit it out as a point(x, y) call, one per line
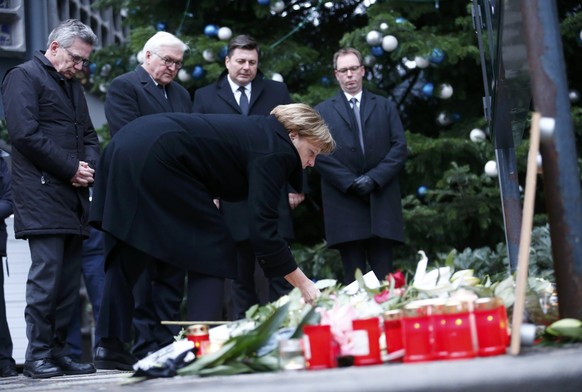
point(434, 282)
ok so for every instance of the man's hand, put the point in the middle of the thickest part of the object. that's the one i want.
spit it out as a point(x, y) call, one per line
point(295, 199)
point(363, 185)
point(84, 175)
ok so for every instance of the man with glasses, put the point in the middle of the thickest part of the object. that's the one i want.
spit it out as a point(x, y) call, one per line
point(54, 151)
point(360, 187)
point(149, 89)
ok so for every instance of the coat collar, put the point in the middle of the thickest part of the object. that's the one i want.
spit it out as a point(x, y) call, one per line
point(151, 88)
point(296, 177)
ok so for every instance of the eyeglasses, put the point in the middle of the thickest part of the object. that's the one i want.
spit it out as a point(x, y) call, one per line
point(77, 59)
point(169, 62)
point(345, 70)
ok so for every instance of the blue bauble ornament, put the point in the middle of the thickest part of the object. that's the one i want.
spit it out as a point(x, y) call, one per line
point(223, 52)
point(400, 20)
point(92, 68)
point(421, 192)
point(325, 81)
point(437, 56)
point(377, 51)
point(198, 72)
point(427, 89)
point(264, 2)
point(211, 30)
point(161, 26)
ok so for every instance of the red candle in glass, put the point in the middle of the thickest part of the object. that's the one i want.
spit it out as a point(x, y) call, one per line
point(504, 324)
point(439, 329)
point(318, 347)
point(459, 331)
point(197, 333)
point(416, 333)
point(393, 330)
point(491, 330)
point(366, 341)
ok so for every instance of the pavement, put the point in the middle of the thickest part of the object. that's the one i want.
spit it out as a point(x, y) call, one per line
point(537, 368)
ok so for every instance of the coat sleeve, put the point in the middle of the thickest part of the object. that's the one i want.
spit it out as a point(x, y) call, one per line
point(5, 191)
point(121, 104)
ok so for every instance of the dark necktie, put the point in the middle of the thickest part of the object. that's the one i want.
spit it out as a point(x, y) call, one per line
point(163, 91)
point(356, 110)
point(244, 101)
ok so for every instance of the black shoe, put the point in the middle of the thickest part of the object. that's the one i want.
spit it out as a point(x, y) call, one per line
point(107, 358)
point(41, 368)
point(69, 366)
point(8, 371)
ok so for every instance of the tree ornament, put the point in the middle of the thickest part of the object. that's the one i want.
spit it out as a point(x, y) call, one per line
point(400, 20)
point(183, 75)
point(264, 2)
point(547, 128)
point(421, 62)
point(92, 68)
point(421, 192)
point(377, 51)
point(477, 135)
point(198, 72)
point(223, 52)
point(103, 87)
point(105, 70)
point(278, 7)
point(491, 169)
point(369, 60)
point(208, 55)
point(427, 89)
point(161, 26)
point(325, 81)
point(444, 119)
point(384, 26)
point(389, 43)
point(374, 38)
point(574, 96)
point(445, 91)
point(437, 56)
point(277, 77)
point(539, 162)
point(224, 33)
point(211, 30)
point(132, 61)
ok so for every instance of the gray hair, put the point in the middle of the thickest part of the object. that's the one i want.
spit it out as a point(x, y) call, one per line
point(70, 30)
point(163, 38)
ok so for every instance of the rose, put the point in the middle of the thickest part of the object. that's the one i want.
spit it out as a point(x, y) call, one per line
point(398, 277)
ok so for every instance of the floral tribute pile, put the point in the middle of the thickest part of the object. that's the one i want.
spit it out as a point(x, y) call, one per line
point(367, 322)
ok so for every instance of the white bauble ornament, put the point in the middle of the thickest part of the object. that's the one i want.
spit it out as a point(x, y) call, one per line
point(105, 70)
point(278, 6)
point(539, 162)
point(574, 96)
point(224, 33)
point(445, 91)
point(208, 55)
point(491, 169)
point(547, 127)
point(389, 43)
point(140, 57)
point(184, 75)
point(277, 77)
point(477, 135)
point(369, 60)
point(374, 38)
point(421, 62)
point(383, 26)
point(103, 88)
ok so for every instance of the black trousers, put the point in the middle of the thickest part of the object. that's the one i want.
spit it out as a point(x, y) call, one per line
point(124, 266)
point(251, 286)
point(52, 291)
point(5, 338)
point(373, 252)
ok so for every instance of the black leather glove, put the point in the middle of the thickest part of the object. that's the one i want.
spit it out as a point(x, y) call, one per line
point(363, 185)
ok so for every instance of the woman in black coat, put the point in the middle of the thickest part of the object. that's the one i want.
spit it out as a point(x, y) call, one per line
point(154, 192)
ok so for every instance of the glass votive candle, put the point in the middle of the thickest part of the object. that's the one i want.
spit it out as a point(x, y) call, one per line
point(416, 333)
point(393, 330)
point(197, 333)
point(491, 329)
point(318, 347)
point(366, 336)
point(291, 354)
point(439, 329)
point(460, 339)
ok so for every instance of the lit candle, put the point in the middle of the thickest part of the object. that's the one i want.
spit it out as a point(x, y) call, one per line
point(318, 347)
point(198, 333)
point(366, 336)
point(393, 330)
point(416, 333)
point(491, 329)
point(460, 339)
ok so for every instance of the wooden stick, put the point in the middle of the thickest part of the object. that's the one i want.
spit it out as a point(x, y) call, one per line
point(168, 322)
point(525, 235)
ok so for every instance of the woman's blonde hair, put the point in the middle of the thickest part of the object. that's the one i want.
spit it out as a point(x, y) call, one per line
point(304, 120)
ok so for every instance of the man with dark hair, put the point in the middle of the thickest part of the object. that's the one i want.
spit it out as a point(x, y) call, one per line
point(54, 151)
point(242, 89)
point(360, 187)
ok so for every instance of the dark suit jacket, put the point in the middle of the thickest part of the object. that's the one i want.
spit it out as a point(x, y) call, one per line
point(265, 95)
point(158, 176)
point(135, 94)
point(348, 217)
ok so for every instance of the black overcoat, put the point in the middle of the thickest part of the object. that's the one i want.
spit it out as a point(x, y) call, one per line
point(135, 94)
point(50, 133)
point(217, 98)
point(158, 176)
point(348, 217)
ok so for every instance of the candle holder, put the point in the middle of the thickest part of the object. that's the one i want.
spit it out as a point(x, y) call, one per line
point(318, 347)
point(291, 354)
point(366, 334)
point(197, 334)
point(393, 330)
point(416, 333)
point(460, 335)
point(491, 329)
